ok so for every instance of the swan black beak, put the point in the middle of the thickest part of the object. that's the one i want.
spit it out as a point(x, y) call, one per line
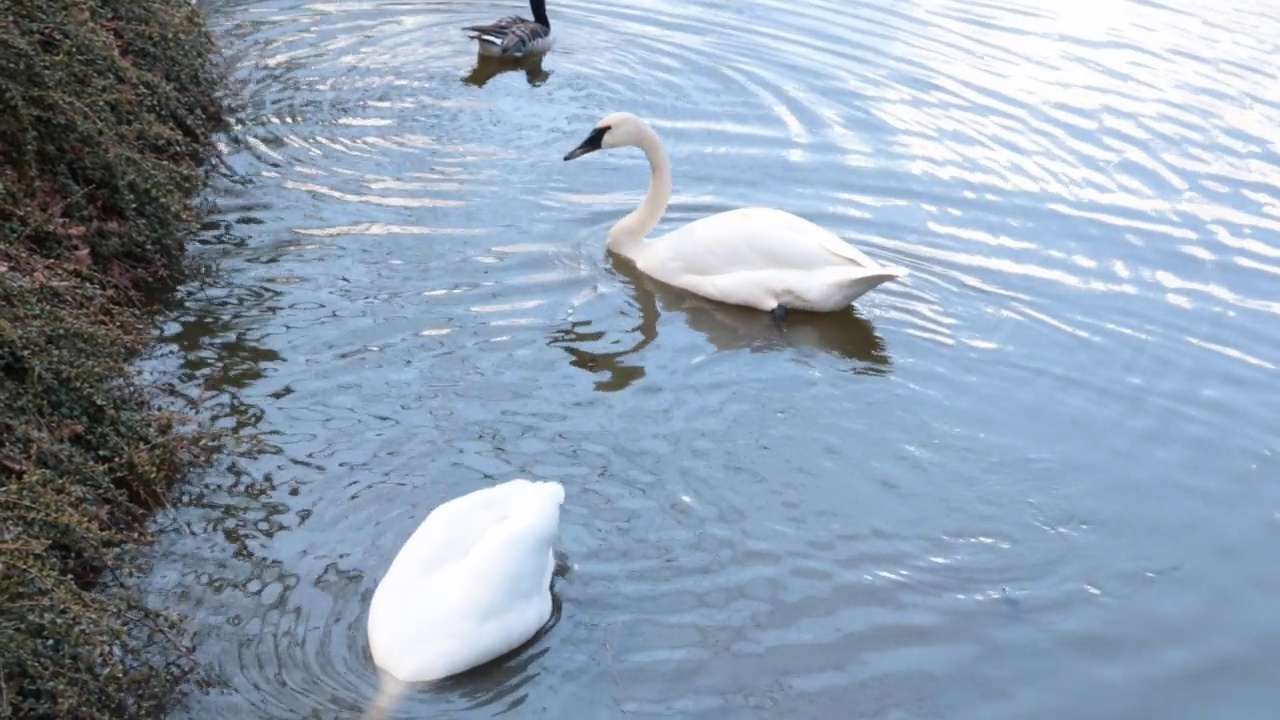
point(590, 145)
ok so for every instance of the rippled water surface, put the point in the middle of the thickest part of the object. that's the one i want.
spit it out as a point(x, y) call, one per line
point(1035, 479)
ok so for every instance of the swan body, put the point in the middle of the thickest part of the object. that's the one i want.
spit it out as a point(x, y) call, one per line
point(471, 584)
point(513, 36)
point(755, 257)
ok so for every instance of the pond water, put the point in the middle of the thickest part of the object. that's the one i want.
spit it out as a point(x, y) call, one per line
point(1035, 479)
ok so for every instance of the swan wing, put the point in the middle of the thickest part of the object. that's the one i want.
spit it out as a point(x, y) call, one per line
point(820, 290)
point(514, 561)
point(429, 620)
point(748, 240)
point(452, 530)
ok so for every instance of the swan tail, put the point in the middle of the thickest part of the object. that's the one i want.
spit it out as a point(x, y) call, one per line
point(390, 689)
point(554, 491)
point(860, 281)
point(521, 490)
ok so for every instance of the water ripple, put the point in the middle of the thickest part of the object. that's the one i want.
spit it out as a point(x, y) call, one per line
point(889, 512)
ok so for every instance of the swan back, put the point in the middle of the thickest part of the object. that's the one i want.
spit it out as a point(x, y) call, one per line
point(470, 584)
point(754, 238)
point(762, 257)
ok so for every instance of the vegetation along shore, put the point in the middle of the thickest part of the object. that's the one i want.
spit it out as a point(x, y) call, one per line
point(107, 112)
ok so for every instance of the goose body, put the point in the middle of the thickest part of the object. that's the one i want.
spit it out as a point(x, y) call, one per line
point(471, 584)
point(514, 36)
point(756, 257)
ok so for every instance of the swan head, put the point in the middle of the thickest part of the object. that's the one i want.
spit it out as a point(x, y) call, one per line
point(619, 129)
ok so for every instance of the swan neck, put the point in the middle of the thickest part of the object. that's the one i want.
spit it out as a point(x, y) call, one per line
point(627, 236)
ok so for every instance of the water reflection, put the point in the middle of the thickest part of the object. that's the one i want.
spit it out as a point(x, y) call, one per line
point(488, 67)
point(619, 375)
point(845, 334)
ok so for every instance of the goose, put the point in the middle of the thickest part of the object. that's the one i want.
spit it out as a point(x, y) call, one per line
point(514, 36)
point(471, 584)
point(756, 257)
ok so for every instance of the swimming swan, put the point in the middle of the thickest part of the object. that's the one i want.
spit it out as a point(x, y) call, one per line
point(758, 257)
point(471, 584)
point(514, 36)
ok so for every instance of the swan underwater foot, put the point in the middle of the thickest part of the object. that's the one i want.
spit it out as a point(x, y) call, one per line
point(779, 315)
point(564, 566)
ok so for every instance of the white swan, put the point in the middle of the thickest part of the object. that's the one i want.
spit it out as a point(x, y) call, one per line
point(758, 257)
point(471, 584)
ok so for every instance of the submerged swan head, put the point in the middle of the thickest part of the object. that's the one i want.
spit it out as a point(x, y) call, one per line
point(615, 130)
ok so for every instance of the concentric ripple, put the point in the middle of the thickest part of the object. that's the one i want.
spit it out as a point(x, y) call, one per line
point(1035, 464)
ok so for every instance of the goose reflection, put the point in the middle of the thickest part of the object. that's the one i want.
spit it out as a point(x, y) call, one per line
point(727, 327)
point(487, 68)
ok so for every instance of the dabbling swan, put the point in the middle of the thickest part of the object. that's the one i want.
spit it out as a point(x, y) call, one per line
point(757, 257)
point(514, 36)
point(471, 584)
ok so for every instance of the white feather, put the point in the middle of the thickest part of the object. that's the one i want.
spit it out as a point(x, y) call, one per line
point(471, 584)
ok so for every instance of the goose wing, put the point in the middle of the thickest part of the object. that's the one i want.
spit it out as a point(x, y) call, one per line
point(513, 34)
point(495, 27)
point(520, 38)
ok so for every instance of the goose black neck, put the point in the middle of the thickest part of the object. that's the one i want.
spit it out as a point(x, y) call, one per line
point(539, 8)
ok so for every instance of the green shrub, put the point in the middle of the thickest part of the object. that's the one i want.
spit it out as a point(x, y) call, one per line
point(107, 108)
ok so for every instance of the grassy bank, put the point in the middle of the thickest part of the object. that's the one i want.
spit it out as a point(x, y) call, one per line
point(106, 113)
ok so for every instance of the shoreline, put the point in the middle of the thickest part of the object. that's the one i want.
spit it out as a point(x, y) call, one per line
point(111, 111)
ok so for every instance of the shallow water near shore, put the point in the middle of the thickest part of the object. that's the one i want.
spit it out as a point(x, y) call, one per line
point(1036, 479)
